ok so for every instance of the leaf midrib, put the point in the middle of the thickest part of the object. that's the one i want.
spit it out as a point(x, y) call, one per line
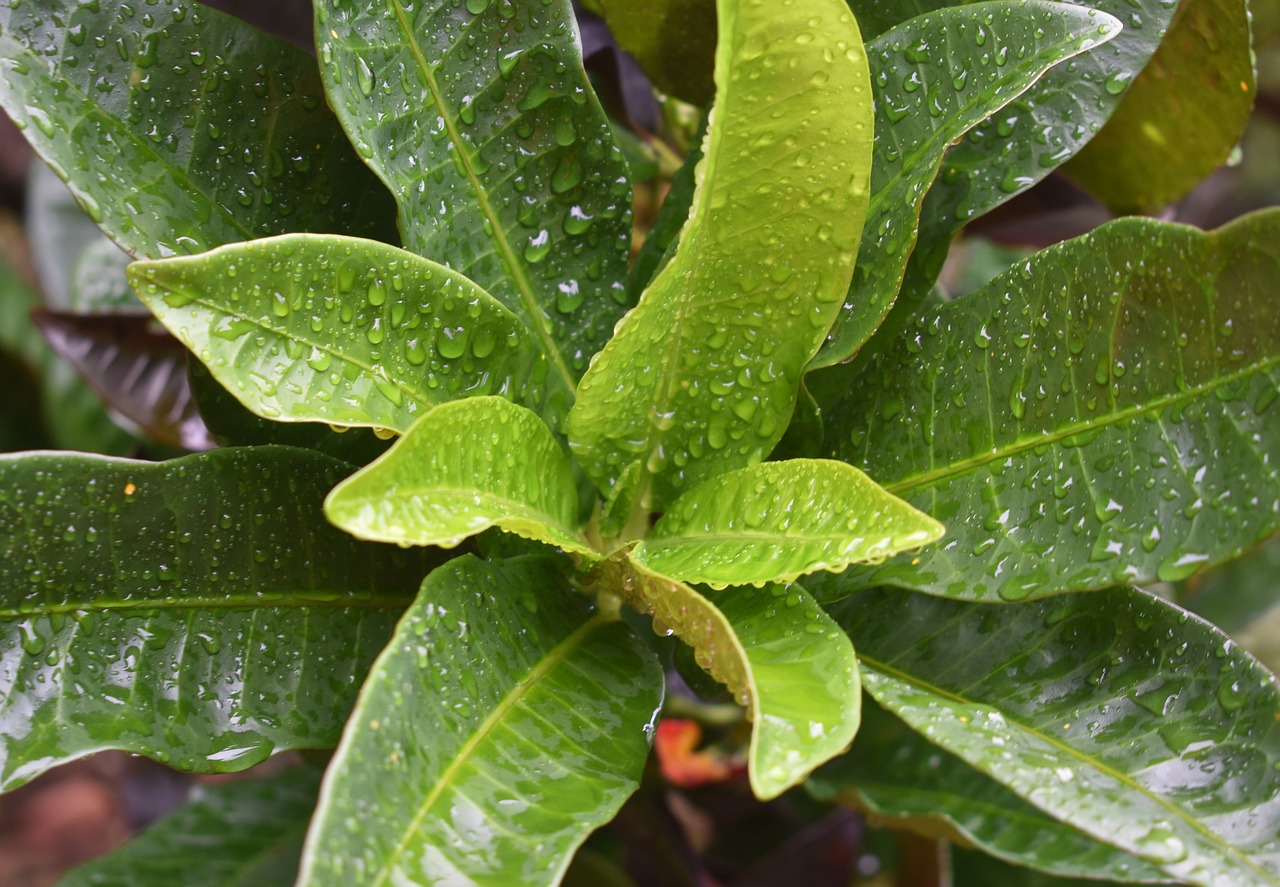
point(252, 601)
point(558, 654)
point(521, 280)
point(1073, 753)
point(137, 140)
point(970, 463)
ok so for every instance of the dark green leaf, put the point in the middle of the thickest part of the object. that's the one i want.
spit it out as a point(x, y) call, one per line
point(464, 467)
point(660, 240)
point(197, 611)
point(503, 723)
point(1183, 115)
point(701, 377)
point(480, 118)
point(312, 328)
point(180, 128)
point(777, 652)
point(778, 521)
point(1095, 416)
point(900, 780)
point(927, 98)
point(673, 40)
point(234, 835)
point(1114, 712)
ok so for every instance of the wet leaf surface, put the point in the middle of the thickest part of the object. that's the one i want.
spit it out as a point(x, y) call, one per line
point(465, 467)
point(195, 611)
point(502, 724)
point(937, 77)
point(775, 649)
point(480, 119)
point(701, 377)
point(309, 328)
point(1097, 415)
point(1114, 712)
point(901, 781)
point(778, 521)
point(184, 137)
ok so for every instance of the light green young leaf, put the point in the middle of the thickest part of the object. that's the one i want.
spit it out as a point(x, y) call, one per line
point(480, 119)
point(173, 130)
point(776, 651)
point(233, 835)
point(1100, 414)
point(778, 521)
point(900, 780)
point(1182, 116)
point(1115, 712)
point(194, 611)
point(502, 724)
point(701, 377)
point(464, 467)
point(927, 98)
point(315, 328)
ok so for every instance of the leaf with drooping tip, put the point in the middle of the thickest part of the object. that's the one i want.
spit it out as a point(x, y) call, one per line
point(776, 651)
point(701, 377)
point(504, 722)
point(194, 611)
point(1115, 712)
point(926, 100)
point(172, 130)
point(241, 833)
point(900, 780)
point(1086, 419)
point(464, 467)
point(481, 120)
point(319, 328)
point(778, 521)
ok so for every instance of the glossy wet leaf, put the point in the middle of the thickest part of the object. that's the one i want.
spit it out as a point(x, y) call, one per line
point(464, 467)
point(1099, 414)
point(137, 369)
point(480, 119)
point(673, 40)
point(228, 835)
point(926, 100)
point(231, 424)
point(196, 611)
point(311, 328)
point(180, 128)
point(900, 780)
point(1183, 115)
point(778, 521)
point(701, 377)
point(1114, 712)
point(503, 723)
point(775, 650)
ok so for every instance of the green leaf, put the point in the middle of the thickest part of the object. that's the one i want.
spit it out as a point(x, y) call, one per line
point(174, 133)
point(1238, 592)
point(481, 120)
point(464, 467)
point(673, 40)
point(900, 780)
point(661, 238)
point(1114, 712)
point(926, 100)
point(701, 377)
point(1183, 115)
point(504, 722)
point(777, 652)
point(228, 835)
point(778, 521)
point(195, 611)
point(1095, 416)
point(313, 328)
